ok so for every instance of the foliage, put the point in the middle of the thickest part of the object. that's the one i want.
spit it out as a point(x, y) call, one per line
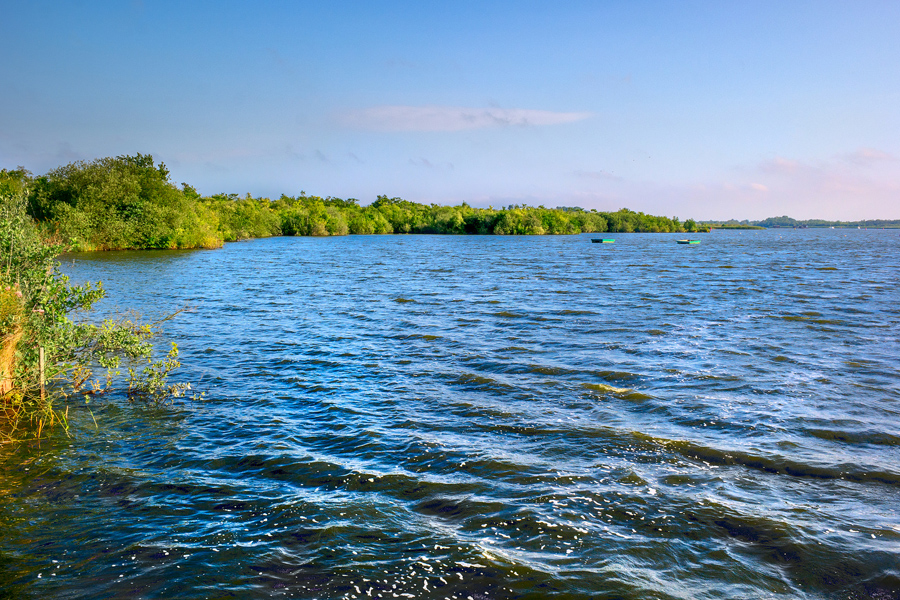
point(14, 181)
point(118, 203)
point(311, 215)
point(735, 225)
point(783, 221)
point(152, 384)
point(36, 302)
point(129, 202)
point(240, 219)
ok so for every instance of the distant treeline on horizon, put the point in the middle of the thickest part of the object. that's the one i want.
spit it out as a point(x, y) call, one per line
point(129, 202)
point(786, 221)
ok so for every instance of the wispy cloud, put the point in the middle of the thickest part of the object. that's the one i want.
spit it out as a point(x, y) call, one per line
point(779, 165)
point(453, 118)
point(849, 161)
point(424, 162)
point(599, 175)
point(868, 156)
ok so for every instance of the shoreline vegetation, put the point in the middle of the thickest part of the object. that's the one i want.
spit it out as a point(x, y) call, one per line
point(786, 222)
point(129, 202)
point(46, 358)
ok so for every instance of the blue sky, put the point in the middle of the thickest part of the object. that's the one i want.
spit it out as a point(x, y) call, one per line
point(692, 109)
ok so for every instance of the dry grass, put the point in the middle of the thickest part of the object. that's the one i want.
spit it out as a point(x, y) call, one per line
point(8, 360)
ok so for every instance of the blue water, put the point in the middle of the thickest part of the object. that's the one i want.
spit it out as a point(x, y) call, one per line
point(486, 417)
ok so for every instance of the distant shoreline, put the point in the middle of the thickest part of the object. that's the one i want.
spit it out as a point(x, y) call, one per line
point(789, 223)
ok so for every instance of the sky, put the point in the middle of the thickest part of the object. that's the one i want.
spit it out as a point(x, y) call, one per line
point(705, 110)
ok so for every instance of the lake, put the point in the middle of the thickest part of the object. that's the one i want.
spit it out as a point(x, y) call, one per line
point(486, 417)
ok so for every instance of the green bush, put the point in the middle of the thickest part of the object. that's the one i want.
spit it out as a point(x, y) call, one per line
point(243, 218)
point(36, 302)
point(119, 203)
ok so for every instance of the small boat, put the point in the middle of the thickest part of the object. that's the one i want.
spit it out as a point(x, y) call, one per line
point(603, 240)
point(688, 241)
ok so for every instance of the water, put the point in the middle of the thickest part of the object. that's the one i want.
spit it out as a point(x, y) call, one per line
point(487, 418)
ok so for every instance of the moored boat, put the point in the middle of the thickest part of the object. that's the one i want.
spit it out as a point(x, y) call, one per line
point(603, 240)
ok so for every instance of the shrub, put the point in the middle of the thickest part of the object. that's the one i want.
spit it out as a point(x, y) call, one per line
point(36, 301)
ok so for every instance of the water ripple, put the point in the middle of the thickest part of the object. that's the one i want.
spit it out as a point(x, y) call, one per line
point(487, 418)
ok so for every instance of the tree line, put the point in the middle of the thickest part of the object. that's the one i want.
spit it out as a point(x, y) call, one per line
point(130, 202)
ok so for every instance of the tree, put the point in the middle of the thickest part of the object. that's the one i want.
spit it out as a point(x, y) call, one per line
point(119, 203)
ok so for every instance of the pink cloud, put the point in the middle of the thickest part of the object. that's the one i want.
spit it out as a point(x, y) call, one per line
point(779, 165)
point(868, 156)
point(864, 184)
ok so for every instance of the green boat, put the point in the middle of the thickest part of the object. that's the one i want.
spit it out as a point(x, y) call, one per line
point(688, 241)
point(602, 240)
